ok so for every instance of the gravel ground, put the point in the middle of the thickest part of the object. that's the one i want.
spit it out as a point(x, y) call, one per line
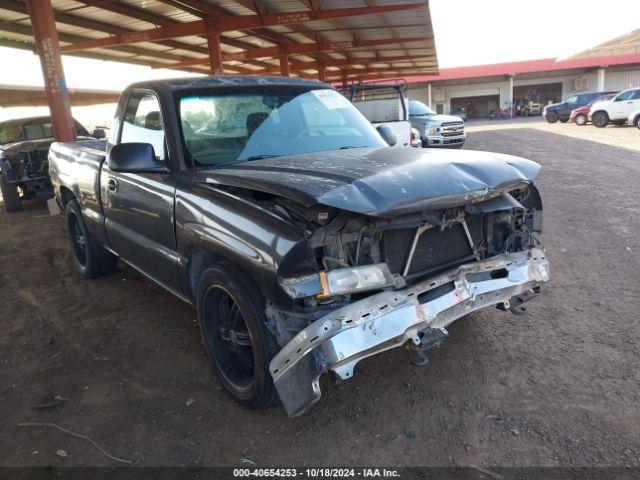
point(626, 136)
point(558, 387)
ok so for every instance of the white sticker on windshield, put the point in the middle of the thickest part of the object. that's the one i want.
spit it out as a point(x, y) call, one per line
point(331, 99)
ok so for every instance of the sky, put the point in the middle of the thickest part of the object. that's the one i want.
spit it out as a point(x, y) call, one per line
point(467, 32)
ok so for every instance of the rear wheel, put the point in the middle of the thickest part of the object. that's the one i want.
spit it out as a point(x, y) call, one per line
point(600, 119)
point(233, 326)
point(91, 258)
point(10, 195)
point(637, 121)
point(581, 119)
point(552, 117)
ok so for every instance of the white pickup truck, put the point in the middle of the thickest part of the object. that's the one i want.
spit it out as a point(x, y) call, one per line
point(385, 104)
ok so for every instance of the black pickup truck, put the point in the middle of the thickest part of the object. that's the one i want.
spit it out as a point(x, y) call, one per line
point(303, 240)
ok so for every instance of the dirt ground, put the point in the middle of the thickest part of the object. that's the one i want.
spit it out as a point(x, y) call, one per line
point(558, 387)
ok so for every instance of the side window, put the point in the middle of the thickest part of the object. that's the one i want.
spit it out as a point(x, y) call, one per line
point(628, 95)
point(637, 95)
point(143, 122)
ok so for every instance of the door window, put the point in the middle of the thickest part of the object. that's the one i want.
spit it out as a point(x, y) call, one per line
point(143, 122)
point(628, 95)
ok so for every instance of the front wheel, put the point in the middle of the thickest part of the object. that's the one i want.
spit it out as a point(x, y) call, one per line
point(91, 258)
point(600, 119)
point(637, 121)
point(233, 326)
point(581, 119)
point(10, 195)
point(552, 117)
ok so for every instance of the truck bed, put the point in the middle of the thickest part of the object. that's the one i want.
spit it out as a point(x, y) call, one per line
point(75, 168)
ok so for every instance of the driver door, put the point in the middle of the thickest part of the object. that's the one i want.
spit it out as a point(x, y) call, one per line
point(139, 207)
point(623, 105)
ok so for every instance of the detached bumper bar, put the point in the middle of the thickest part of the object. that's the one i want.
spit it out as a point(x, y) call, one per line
point(386, 320)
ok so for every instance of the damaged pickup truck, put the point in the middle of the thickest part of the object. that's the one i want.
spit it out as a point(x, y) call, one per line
point(24, 144)
point(303, 240)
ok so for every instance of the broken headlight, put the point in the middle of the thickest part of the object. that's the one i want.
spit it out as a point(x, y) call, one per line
point(339, 281)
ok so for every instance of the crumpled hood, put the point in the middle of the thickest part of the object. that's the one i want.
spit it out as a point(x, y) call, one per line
point(435, 119)
point(381, 181)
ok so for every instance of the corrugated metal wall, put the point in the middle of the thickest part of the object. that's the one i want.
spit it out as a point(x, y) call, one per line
point(622, 80)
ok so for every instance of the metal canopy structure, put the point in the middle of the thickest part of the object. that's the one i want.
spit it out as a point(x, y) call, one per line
point(628, 44)
point(333, 40)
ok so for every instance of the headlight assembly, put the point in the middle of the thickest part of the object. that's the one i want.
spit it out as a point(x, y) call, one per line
point(356, 279)
point(339, 281)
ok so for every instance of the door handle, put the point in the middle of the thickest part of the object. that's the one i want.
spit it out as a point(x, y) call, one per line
point(112, 185)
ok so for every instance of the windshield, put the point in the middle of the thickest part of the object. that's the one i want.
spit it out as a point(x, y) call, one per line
point(225, 128)
point(602, 98)
point(419, 109)
point(34, 129)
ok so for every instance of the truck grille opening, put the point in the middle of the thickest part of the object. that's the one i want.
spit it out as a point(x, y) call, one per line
point(436, 250)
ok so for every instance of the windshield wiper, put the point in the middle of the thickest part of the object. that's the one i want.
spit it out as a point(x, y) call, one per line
point(258, 157)
point(351, 146)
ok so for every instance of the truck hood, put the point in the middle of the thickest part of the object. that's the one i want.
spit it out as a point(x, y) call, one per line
point(435, 119)
point(381, 181)
point(9, 149)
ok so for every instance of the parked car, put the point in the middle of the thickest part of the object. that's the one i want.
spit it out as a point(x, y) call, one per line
point(24, 144)
point(436, 130)
point(616, 110)
point(562, 111)
point(581, 115)
point(634, 118)
point(304, 241)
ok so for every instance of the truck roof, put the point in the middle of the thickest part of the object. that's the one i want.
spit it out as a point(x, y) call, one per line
point(218, 81)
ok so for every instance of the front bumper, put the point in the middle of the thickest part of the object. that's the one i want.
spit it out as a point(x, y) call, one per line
point(437, 140)
point(339, 340)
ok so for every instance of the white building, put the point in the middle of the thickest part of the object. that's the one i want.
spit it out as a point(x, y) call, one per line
point(481, 89)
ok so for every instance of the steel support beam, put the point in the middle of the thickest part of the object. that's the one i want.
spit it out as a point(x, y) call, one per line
point(229, 23)
point(299, 49)
point(48, 46)
point(322, 71)
point(284, 64)
point(215, 53)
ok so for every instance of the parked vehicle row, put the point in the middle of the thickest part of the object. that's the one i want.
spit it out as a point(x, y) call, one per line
point(303, 240)
point(600, 108)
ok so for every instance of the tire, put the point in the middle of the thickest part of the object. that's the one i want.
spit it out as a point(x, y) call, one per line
point(581, 119)
point(636, 121)
point(564, 120)
point(10, 196)
point(233, 327)
point(91, 258)
point(600, 119)
point(552, 117)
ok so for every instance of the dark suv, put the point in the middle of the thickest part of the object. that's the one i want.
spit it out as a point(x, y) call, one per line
point(562, 111)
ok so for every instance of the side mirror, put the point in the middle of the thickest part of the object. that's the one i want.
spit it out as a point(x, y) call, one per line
point(388, 134)
point(134, 158)
point(98, 133)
